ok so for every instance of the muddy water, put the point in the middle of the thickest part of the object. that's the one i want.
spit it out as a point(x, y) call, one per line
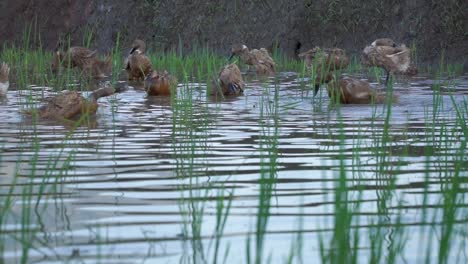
point(119, 188)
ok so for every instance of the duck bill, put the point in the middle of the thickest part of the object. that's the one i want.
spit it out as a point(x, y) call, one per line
point(230, 57)
point(132, 50)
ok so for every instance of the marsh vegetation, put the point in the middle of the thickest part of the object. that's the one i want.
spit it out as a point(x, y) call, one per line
point(274, 176)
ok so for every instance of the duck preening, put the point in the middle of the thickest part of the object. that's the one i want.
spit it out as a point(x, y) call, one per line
point(386, 54)
point(229, 82)
point(259, 58)
point(329, 59)
point(4, 79)
point(72, 104)
point(137, 64)
point(160, 84)
point(84, 59)
point(323, 62)
point(354, 91)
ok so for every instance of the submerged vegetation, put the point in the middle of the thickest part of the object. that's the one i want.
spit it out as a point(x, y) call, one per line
point(276, 176)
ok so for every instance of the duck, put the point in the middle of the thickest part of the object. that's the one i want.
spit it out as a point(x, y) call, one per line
point(138, 65)
point(386, 54)
point(157, 84)
point(229, 82)
point(259, 58)
point(83, 59)
point(4, 78)
point(326, 58)
point(72, 104)
point(326, 61)
point(354, 91)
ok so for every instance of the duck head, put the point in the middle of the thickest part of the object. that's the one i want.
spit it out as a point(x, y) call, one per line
point(238, 49)
point(138, 46)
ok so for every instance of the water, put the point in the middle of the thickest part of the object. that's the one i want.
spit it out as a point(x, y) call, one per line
point(127, 176)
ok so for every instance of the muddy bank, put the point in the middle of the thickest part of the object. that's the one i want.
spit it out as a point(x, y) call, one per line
point(292, 26)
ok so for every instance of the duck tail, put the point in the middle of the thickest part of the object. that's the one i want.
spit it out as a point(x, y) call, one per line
point(234, 88)
point(317, 88)
point(401, 59)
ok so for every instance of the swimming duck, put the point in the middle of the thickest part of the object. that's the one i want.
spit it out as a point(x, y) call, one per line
point(259, 58)
point(229, 81)
point(326, 61)
point(353, 91)
point(72, 104)
point(4, 80)
point(394, 59)
point(83, 59)
point(138, 65)
point(159, 83)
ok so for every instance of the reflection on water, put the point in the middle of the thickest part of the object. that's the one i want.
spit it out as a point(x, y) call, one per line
point(118, 189)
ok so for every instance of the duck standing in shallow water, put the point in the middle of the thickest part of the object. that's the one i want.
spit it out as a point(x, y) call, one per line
point(83, 59)
point(160, 84)
point(354, 91)
point(72, 104)
point(394, 59)
point(229, 82)
point(260, 59)
point(325, 61)
point(4, 79)
point(138, 65)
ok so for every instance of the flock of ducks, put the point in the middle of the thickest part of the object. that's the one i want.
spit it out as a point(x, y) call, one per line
point(322, 62)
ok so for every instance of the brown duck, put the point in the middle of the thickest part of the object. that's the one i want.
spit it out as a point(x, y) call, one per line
point(260, 59)
point(229, 82)
point(83, 59)
point(329, 59)
point(4, 80)
point(326, 61)
point(72, 104)
point(160, 84)
point(394, 59)
point(354, 91)
point(138, 65)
